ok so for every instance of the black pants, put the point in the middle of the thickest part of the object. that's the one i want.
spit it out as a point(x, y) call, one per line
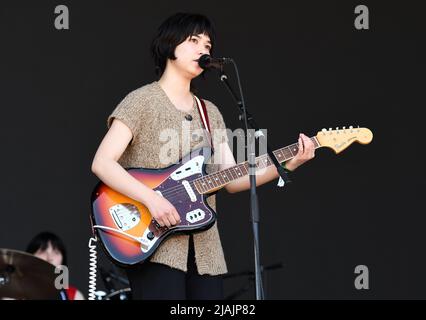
point(150, 281)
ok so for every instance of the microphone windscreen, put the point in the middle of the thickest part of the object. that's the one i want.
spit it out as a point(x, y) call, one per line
point(204, 61)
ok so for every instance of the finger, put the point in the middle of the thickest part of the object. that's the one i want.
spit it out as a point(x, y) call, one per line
point(167, 223)
point(301, 146)
point(160, 222)
point(307, 141)
point(309, 147)
point(163, 221)
point(171, 219)
point(308, 144)
point(176, 216)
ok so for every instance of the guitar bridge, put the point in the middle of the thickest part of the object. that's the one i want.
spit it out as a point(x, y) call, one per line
point(125, 215)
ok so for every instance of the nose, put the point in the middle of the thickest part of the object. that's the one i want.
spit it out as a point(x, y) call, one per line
point(203, 50)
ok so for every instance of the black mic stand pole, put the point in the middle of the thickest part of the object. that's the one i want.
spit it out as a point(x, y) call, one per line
point(247, 119)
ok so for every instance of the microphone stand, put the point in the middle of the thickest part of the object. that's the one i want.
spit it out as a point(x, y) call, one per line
point(247, 120)
point(250, 278)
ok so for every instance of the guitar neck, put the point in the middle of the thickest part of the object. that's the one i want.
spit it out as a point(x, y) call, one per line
point(219, 179)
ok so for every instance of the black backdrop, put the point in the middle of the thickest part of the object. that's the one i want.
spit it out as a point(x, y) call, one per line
point(304, 67)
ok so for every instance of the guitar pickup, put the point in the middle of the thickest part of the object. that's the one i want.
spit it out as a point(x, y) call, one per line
point(195, 215)
point(189, 190)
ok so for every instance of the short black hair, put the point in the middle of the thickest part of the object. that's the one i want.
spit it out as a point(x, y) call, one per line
point(175, 30)
point(41, 242)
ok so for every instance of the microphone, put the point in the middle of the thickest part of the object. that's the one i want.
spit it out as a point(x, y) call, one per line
point(207, 62)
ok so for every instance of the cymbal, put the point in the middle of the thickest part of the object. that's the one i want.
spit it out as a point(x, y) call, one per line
point(24, 276)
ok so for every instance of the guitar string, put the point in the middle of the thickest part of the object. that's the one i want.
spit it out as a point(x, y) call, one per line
point(177, 189)
point(171, 193)
point(261, 158)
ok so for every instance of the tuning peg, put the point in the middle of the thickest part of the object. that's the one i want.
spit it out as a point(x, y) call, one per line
point(324, 130)
point(351, 127)
point(337, 129)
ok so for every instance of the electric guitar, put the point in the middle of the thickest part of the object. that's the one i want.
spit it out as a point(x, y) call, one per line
point(126, 228)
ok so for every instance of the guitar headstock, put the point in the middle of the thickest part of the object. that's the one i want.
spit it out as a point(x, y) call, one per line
point(340, 139)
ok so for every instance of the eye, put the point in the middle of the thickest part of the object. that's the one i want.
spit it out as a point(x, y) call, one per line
point(208, 48)
point(195, 40)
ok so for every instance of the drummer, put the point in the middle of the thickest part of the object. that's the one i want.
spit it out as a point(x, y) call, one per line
point(49, 247)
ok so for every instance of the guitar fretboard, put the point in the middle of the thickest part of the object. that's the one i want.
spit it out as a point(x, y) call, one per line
point(221, 178)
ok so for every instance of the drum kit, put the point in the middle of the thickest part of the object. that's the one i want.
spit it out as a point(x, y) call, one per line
point(122, 294)
point(111, 279)
point(26, 277)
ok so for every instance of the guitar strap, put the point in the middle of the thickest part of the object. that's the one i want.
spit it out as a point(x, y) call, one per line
point(204, 118)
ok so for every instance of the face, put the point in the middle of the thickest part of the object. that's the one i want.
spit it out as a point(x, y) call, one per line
point(51, 255)
point(188, 52)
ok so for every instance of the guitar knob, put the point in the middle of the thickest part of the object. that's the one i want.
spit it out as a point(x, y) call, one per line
point(150, 235)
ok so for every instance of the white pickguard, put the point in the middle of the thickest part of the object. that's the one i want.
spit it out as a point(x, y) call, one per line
point(193, 166)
